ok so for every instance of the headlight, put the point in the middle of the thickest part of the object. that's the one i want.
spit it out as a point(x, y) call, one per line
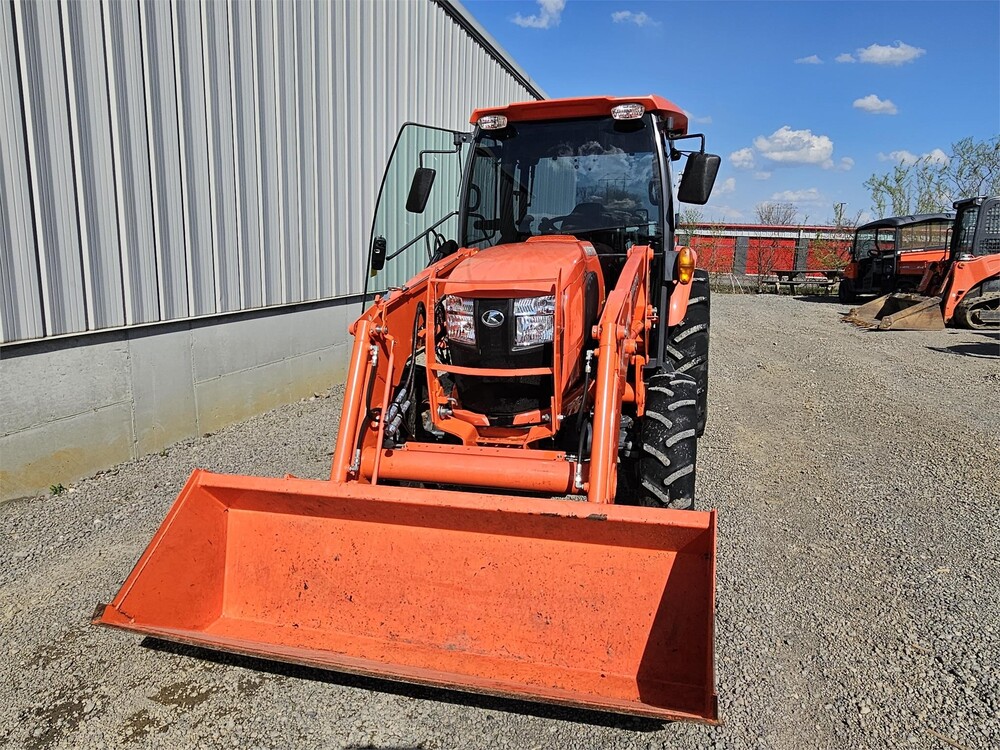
point(534, 319)
point(458, 319)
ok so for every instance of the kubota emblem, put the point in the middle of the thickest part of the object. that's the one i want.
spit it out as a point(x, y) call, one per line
point(492, 318)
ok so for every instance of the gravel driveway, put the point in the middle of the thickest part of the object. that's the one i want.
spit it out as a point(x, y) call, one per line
point(856, 477)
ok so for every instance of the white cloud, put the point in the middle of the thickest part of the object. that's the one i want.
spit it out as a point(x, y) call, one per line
point(846, 57)
point(728, 186)
point(706, 120)
point(639, 19)
point(811, 60)
point(715, 212)
point(875, 106)
point(809, 195)
point(548, 15)
point(890, 54)
point(787, 146)
point(906, 158)
point(937, 156)
point(742, 159)
point(902, 157)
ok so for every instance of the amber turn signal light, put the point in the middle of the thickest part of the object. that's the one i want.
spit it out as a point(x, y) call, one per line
point(685, 265)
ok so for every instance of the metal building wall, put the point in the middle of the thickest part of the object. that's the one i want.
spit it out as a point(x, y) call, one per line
point(169, 160)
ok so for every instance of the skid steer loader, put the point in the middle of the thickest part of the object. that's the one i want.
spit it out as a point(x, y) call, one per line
point(510, 504)
point(962, 289)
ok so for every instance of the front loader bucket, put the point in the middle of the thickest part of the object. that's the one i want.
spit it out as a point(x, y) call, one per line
point(899, 312)
point(602, 607)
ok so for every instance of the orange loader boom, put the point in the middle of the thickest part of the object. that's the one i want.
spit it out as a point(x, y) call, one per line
point(505, 595)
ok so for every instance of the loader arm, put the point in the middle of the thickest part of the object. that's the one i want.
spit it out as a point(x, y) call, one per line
point(377, 362)
point(623, 333)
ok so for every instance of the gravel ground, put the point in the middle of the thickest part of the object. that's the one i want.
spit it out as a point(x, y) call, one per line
point(855, 475)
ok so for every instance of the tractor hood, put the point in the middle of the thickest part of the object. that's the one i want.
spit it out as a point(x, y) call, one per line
point(525, 266)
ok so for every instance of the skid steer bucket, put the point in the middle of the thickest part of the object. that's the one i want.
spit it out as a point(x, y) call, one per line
point(602, 607)
point(899, 312)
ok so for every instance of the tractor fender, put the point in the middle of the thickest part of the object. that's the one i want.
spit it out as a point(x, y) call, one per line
point(678, 303)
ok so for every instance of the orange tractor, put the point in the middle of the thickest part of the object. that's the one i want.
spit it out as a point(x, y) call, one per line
point(962, 289)
point(510, 505)
point(891, 254)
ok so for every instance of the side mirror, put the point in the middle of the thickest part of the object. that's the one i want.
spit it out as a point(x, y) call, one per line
point(420, 190)
point(378, 254)
point(699, 178)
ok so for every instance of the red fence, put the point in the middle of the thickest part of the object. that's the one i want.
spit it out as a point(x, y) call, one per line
point(760, 249)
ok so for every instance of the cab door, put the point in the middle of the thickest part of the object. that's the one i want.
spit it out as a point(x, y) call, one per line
point(416, 216)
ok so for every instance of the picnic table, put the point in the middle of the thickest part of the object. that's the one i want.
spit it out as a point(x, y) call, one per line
point(801, 277)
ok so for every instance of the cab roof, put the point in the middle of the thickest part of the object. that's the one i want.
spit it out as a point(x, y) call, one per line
point(905, 221)
point(590, 106)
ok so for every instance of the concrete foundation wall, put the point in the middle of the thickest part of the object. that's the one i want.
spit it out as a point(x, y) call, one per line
point(70, 407)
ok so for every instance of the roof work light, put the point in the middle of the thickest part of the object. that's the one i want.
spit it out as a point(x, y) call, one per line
point(631, 111)
point(492, 122)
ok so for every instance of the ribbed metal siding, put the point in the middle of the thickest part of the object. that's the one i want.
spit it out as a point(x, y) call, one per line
point(164, 160)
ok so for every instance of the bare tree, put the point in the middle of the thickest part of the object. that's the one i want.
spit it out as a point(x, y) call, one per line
point(831, 252)
point(932, 184)
point(692, 216)
point(687, 220)
point(776, 213)
point(768, 249)
point(842, 220)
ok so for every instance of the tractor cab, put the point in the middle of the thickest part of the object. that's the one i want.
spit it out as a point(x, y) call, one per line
point(977, 228)
point(598, 170)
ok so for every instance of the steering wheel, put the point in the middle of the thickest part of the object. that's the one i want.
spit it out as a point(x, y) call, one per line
point(432, 243)
point(547, 224)
point(583, 217)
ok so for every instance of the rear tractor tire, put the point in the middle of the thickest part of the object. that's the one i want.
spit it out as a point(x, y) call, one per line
point(668, 442)
point(687, 345)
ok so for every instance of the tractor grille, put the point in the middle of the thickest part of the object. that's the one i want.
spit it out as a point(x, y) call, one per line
point(499, 398)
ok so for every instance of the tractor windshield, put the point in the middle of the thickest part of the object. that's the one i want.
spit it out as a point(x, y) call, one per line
point(868, 242)
point(595, 178)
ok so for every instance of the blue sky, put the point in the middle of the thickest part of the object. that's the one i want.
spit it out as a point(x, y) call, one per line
point(803, 100)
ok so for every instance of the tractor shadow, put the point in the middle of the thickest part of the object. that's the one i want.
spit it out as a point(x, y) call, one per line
point(820, 299)
point(823, 299)
point(989, 349)
point(418, 692)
